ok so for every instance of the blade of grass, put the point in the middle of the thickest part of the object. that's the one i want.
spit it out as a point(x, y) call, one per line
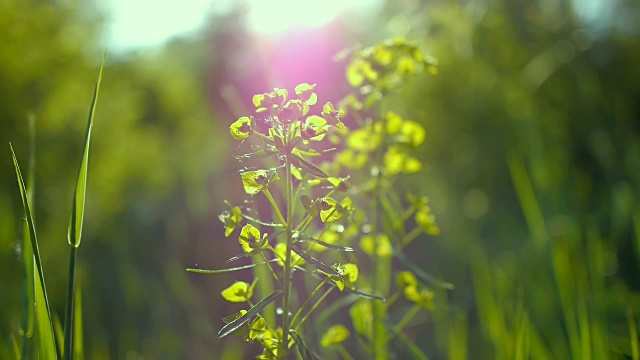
point(28, 296)
point(74, 235)
point(44, 326)
point(43, 314)
point(526, 196)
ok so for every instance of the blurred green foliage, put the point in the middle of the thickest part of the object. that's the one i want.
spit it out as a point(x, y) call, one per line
point(532, 164)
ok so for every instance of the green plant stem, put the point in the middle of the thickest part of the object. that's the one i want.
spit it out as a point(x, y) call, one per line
point(314, 307)
point(381, 264)
point(407, 239)
point(273, 203)
point(393, 298)
point(343, 352)
point(273, 273)
point(68, 313)
point(287, 263)
point(313, 293)
point(407, 317)
point(265, 288)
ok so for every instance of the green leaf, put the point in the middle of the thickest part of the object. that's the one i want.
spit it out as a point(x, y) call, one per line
point(306, 94)
point(239, 292)
point(336, 334)
point(241, 128)
point(307, 166)
point(330, 210)
point(222, 271)
point(315, 262)
point(365, 295)
point(300, 345)
point(77, 212)
point(250, 239)
point(44, 324)
point(258, 180)
point(237, 323)
point(327, 245)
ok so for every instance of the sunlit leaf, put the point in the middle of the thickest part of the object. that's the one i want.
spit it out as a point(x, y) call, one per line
point(250, 239)
point(281, 253)
point(306, 94)
point(336, 334)
point(240, 291)
point(258, 180)
point(241, 128)
point(329, 208)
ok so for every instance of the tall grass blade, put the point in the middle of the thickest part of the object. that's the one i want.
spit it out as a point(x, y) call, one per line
point(28, 296)
point(74, 235)
point(44, 325)
point(528, 202)
point(77, 212)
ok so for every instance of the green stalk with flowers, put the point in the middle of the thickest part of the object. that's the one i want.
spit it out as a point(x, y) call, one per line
point(285, 133)
point(376, 154)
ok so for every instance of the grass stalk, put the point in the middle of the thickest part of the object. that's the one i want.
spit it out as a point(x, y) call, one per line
point(69, 309)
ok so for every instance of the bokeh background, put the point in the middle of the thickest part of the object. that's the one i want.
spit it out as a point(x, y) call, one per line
point(532, 161)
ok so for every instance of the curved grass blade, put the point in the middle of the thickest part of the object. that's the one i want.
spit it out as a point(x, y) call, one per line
point(414, 350)
point(327, 245)
point(221, 271)
point(74, 233)
point(421, 274)
point(28, 296)
point(237, 323)
point(315, 262)
point(301, 346)
point(44, 325)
